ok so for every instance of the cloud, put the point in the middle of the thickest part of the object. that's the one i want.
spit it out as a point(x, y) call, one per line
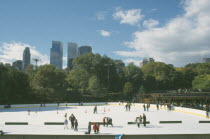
point(10, 52)
point(131, 17)
point(184, 39)
point(105, 33)
point(150, 23)
point(101, 15)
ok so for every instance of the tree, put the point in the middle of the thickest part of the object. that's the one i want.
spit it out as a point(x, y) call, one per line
point(202, 82)
point(134, 75)
point(128, 90)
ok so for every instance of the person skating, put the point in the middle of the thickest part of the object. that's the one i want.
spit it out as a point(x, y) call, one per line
point(95, 109)
point(71, 119)
point(29, 110)
point(126, 107)
point(144, 107)
point(65, 115)
point(75, 125)
point(129, 107)
point(144, 119)
point(138, 121)
point(147, 107)
point(98, 127)
point(109, 121)
point(89, 128)
point(157, 106)
point(104, 121)
point(95, 128)
point(65, 124)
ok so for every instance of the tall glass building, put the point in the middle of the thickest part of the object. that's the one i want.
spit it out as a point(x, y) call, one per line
point(56, 54)
point(72, 53)
point(84, 49)
point(26, 58)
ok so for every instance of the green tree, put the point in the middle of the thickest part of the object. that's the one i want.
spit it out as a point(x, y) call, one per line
point(128, 90)
point(202, 82)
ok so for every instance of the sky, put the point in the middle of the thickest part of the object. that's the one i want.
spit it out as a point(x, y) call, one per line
point(171, 31)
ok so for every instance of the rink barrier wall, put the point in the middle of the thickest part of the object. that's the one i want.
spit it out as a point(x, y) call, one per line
point(146, 136)
point(16, 123)
point(196, 112)
point(54, 105)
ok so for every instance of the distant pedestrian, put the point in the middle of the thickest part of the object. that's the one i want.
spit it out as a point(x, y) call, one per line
point(95, 128)
point(144, 119)
point(65, 124)
point(75, 125)
point(65, 115)
point(98, 127)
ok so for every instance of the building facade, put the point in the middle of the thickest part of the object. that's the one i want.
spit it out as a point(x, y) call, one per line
point(56, 54)
point(145, 61)
point(72, 53)
point(206, 60)
point(26, 58)
point(18, 64)
point(84, 49)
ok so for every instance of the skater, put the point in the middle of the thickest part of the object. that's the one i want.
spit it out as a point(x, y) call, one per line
point(95, 128)
point(65, 115)
point(109, 121)
point(126, 107)
point(89, 128)
point(207, 111)
point(65, 124)
point(104, 121)
point(71, 119)
point(157, 106)
point(95, 109)
point(75, 125)
point(98, 127)
point(29, 111)
point(147, 107)
point(129, 107)
point(144, 119)
point(144, 107)
point(138, 121)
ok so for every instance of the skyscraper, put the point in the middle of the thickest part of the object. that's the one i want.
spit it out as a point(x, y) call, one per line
point(56, 54)
point(145, 61)
point(84, 49)
point(206, 60)
point(18, 64)
point(72, 53)
point(26, 58)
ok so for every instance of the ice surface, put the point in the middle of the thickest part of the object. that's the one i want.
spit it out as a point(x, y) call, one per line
point(84, 114)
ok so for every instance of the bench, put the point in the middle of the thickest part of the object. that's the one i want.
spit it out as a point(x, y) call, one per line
point(16, 123)
point(130, 123)
point(100, 123)
point(204, 121)
point(53, 123)
point(170, 122)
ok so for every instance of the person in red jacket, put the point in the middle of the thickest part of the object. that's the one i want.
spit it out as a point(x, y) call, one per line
point(95, 128)
point(98, 126)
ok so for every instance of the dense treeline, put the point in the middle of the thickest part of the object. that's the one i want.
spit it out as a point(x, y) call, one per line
point(98, 78)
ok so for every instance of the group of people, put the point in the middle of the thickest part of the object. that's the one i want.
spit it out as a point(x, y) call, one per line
point(73, 121)
point(128, 107)
point(146, 107)
point(141, 120)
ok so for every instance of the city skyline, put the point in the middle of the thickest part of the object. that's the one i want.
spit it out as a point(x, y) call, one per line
point(174, 32)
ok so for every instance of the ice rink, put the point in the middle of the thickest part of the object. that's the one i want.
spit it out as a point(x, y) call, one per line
point(84, 114)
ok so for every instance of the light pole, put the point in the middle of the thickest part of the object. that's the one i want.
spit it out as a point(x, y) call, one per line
point(36, 60)
point(108, 72)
